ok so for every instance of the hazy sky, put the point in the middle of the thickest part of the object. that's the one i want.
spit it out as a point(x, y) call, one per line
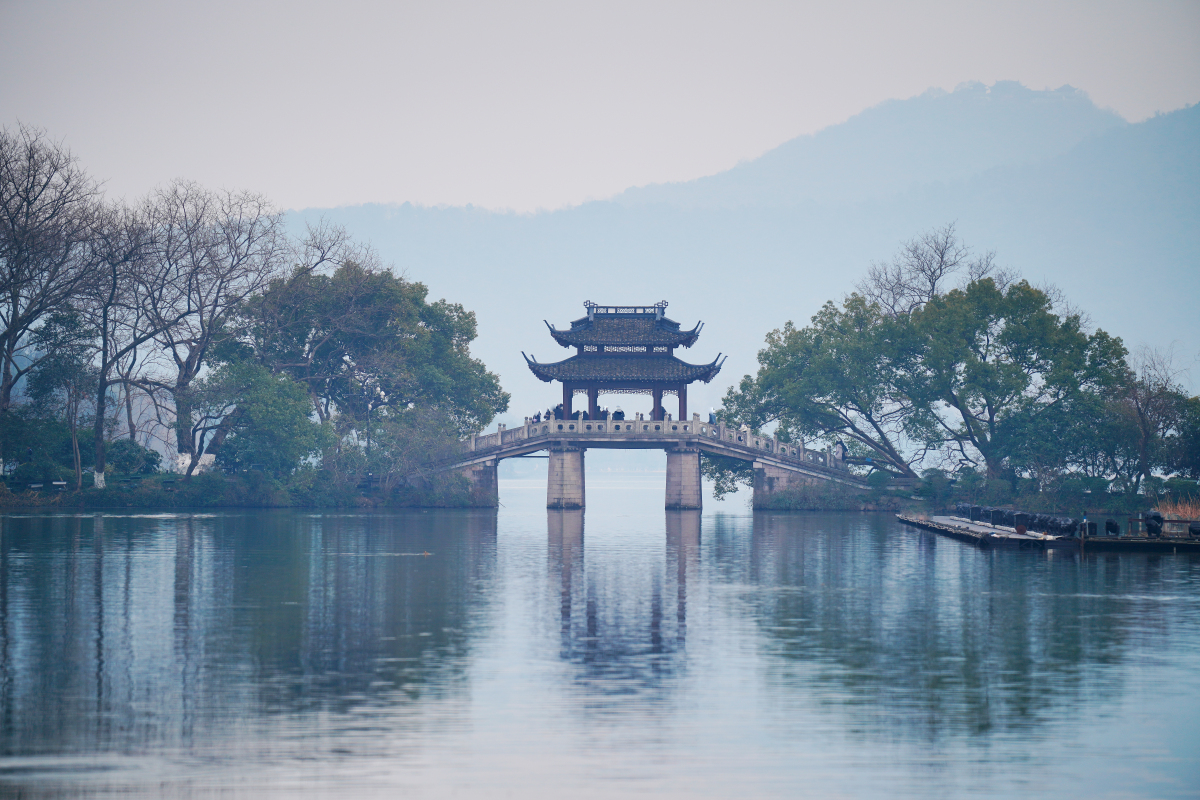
point(530, 105)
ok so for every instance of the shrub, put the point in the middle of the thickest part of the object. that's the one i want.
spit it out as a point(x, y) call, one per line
point(130, 458)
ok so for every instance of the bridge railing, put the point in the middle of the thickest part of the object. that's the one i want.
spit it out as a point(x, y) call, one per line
point(693, 428)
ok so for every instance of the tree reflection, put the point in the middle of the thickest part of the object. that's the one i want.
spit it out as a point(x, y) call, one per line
point(124, 630)
point(925, 636)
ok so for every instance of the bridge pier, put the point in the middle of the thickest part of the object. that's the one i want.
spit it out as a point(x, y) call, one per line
point(683, 478)
point(769, 479)
point(485, 487)
point(564, 483)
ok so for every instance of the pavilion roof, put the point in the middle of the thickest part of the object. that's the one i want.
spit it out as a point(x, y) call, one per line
point(616, 370)
point(625, 330)
point(625, 326)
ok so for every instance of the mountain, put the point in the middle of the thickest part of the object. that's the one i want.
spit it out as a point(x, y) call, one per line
point(1063, 192)
point(899, 145)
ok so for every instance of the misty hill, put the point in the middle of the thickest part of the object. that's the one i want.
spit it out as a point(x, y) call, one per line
point(1106, 210)
point(898, 145)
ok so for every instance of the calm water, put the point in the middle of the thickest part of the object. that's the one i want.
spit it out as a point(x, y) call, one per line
point(622, 651)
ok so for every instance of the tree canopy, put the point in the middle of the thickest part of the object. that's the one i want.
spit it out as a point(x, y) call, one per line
point(841, 376)
point(362, 340)
point(995, 363)
point(992, 376)
point(191, 323)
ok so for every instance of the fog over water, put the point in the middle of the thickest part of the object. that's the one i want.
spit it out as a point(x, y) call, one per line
point(619, 650)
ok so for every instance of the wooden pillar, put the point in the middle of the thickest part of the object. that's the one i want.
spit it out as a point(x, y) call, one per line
point(657, 413)
point(593, 403)
point(566, 401)
point(683, 402)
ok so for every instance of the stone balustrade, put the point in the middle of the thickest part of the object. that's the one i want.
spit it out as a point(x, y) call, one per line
point(683, 430)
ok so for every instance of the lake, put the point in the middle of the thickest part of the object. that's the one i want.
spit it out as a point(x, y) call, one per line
point(619, 651)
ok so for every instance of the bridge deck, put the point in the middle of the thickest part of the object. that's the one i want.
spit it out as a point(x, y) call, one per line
point(634, 434)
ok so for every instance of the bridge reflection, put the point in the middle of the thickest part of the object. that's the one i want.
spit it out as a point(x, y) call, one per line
point(623, 624)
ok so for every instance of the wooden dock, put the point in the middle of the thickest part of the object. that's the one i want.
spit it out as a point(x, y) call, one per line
point(984, 536)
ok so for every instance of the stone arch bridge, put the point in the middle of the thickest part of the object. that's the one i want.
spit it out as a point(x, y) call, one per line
point(777, 465)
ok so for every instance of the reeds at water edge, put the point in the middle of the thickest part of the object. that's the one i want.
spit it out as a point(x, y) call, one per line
point(1179, 509)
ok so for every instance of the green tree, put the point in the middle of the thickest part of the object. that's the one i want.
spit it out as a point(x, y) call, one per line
point(63, 378)
point(841, 377)
point(247, 416)
point(369, 348)
point(130, 458)
point(726, 473)
point(1185, 448)
point(996, 362)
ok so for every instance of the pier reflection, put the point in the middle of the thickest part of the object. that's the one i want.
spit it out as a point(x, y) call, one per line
point(565, 560)
point(683, 560)
point(622, 620)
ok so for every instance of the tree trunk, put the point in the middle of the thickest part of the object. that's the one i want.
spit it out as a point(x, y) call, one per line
point(129, 412)
point(184, 443)
point(73, 408)
point(214, 444)
point(995, 468)
point(7, 381)
point(101, 398)
point(6, 385)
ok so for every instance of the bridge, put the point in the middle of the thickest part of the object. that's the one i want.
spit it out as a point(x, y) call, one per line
point(630, 349)
point(777, 465)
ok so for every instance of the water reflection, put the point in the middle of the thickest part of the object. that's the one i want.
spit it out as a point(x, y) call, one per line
point(623, 620)
point(921, 636)
point(719, 655)
point(264, 613)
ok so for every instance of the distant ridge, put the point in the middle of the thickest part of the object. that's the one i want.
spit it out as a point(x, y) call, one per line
point(938, 136)
point(1063, 191)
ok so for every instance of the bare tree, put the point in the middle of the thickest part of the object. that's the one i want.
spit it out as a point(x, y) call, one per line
point(1153, 399)
point(124, 303)
point(47, 206)
point(922, 268)
point(1062, 305)
point(224, 246)
point(127, 370)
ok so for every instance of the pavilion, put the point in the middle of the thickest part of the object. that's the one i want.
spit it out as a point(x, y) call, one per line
point(625, 350)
